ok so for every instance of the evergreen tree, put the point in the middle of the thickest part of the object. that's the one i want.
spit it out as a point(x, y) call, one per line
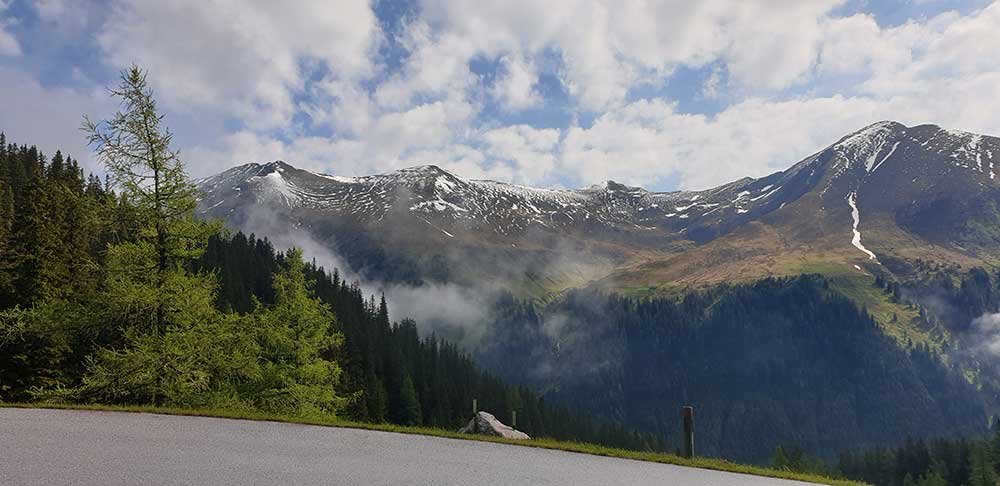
point(409, 406)
point(6, 226)
point(995, 445)
point(932, 479)
point(294, 335)
point(982, 472)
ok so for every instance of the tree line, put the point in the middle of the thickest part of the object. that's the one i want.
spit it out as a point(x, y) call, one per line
point(778, 362)
point(934, 462)
point(112, 291)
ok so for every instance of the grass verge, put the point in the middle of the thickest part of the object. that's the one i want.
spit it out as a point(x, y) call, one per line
point(583, 448)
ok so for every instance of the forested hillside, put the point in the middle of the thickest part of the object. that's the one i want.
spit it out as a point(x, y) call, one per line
point(778, 362)
point(936, 462)
point(398, 375)
point(113, 292)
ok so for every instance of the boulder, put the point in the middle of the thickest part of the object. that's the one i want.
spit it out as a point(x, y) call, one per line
point(486, 424)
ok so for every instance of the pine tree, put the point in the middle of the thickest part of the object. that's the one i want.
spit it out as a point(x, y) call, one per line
point(294, 335)
point(932, 478)
point(7, 263)
point(409, 404)
point(981, 469)
point(995, 444)
point(780, 460)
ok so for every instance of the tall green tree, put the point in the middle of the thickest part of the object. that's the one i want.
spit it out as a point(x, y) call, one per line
point(294, 335)
point(6, 227)
point(134, 147)
point(409, 405)
point(980, 466)
point(176, 347)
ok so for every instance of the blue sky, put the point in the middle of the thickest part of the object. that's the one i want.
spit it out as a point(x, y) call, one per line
point(664, 94)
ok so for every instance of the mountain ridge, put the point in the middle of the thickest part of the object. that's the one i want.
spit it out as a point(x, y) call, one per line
point(868, 193)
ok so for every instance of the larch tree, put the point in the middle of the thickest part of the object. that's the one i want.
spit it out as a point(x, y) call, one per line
point(178, 348)
point(135, 149)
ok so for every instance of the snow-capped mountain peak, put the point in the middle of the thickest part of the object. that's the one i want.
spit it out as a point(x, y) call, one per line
point(885, 167)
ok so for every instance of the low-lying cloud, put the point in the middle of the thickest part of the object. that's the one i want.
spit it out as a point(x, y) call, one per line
point(987, 333)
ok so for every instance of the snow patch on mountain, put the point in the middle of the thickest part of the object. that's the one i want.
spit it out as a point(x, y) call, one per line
point(866, 144)
point(856, 216)
point(275, 184)
point(892, 151)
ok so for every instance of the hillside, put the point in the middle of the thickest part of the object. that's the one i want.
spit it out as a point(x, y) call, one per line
point(780, 362)
point(884, 197)
point(891, 221)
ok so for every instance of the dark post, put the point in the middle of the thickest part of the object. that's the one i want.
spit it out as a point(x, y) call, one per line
point(475, 407)
point(688, 432)
point(513, 419)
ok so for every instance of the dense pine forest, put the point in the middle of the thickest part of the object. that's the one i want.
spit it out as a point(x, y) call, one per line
point(780, 362)
point(937, 462)
point(111, 291)
point(399, 376)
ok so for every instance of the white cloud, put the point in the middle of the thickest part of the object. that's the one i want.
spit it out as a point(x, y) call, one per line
point(8, 43)
point(648, 142)
point(307, 85)
point(246, 59)
point(48, 118)
point(515, 89)
point(930, 72)
point(425, 134)
point(50, 9)
point(528, 154)
point(608, 45)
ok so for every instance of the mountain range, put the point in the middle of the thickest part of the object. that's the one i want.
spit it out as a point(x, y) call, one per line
point(901, 222)
point(877, 197)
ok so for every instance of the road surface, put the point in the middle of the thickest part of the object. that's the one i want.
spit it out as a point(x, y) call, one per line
point(62, 447)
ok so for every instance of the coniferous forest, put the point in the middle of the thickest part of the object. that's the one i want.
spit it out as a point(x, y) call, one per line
point(779, 362)
point(936, 462)
point(111, 291)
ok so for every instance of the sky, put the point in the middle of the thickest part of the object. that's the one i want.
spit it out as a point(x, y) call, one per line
point(663, 94)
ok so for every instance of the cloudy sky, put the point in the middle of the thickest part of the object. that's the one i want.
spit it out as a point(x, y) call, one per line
point(665, 94)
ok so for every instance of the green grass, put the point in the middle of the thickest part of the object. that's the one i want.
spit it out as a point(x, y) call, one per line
point(898, 320)
point(583, 448)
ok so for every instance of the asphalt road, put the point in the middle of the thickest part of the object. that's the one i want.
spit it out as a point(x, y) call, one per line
point(58, 447)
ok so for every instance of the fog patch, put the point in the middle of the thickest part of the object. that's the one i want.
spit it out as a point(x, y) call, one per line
point(451, 311)
point(987, 333)
point(455, 312)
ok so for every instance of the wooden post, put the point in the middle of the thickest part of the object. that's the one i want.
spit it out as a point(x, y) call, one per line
point(688, 432)
point(475, 407)
point(513, 419)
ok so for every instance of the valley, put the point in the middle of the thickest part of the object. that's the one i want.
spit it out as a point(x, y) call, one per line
point(889, 220)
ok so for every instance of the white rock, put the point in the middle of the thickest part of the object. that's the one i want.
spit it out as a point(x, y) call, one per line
point(486, 424)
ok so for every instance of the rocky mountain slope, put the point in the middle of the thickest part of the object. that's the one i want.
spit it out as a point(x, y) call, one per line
point(884, 195)
point(882, 198)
